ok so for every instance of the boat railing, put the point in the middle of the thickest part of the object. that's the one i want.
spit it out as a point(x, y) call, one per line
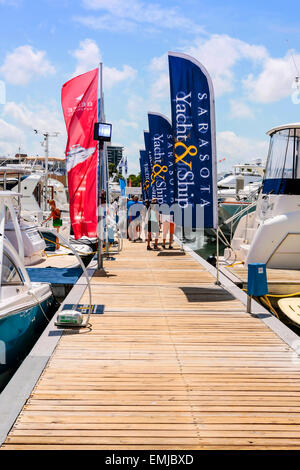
point(241, 212)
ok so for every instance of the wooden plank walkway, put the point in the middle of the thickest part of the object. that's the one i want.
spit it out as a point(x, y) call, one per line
point(174, 363)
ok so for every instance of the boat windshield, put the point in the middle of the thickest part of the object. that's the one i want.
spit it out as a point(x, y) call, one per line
point(10, 273)
point(283, 155)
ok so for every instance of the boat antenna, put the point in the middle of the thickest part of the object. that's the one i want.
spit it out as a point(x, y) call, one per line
point(45, 144)
point(297, 78)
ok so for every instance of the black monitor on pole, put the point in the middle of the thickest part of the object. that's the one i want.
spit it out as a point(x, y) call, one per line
point(102, 132)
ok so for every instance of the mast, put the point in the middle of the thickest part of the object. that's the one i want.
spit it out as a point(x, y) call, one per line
point(100, 176)
point(46, 167)
point(45, 144)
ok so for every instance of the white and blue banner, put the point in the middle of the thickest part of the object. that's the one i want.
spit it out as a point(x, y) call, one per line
point(152, 188)
point(145, 174)
point(121, 164)
point(163, 160)
point(193, 119)
point(142, 175)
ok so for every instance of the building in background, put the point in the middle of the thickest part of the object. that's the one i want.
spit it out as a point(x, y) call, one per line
point(115, 154)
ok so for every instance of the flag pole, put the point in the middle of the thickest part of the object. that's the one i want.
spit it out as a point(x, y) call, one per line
point(218, 260)
point(105, 178)
point(100, 154)
point(106, 202)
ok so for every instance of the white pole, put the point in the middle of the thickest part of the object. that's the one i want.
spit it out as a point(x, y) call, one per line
point(2, 225)
point(46, 168)
point(100, 153)
point(218, 254)
point(16, 228)
point(107, 201)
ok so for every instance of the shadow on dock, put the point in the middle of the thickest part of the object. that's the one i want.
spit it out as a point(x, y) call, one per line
point(171, 253)
point(206, 294)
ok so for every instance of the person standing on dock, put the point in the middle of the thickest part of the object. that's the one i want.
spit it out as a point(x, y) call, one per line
point(55, 214)
point(145, 218)
point(168, 227)
point(152, 222)
point(135, 218)
point(115, 210)
point(130, 202)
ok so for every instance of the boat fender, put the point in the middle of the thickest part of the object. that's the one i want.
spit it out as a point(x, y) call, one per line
point(212, 260)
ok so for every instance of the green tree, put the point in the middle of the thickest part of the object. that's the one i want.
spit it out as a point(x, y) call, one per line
point(135, 180)
point(112, 169)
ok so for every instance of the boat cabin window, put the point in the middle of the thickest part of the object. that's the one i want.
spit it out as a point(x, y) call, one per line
point(10, 273)
point(283, 155)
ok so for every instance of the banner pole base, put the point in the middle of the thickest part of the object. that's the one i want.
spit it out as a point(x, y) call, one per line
point(100, 255)
point(249, 299)
point(218, 283)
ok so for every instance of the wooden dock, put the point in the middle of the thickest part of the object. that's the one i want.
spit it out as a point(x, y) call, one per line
point(173, 363)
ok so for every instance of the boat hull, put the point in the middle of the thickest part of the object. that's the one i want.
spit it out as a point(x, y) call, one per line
point(18, 333)
point(230, 209)
point(276, 242)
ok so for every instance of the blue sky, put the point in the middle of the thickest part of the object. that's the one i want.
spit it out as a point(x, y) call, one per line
point(247, 48)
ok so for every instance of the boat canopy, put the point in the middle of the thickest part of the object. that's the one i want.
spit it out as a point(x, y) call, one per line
point(294, 125)
point(282, 175)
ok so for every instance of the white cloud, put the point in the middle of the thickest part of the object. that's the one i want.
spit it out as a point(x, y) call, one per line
point(106, 23)
point(239, 109)
point(88, 57)
point(159, 64)
point(124, 124)
point(274, 82)
point(11, 137)
point(132, 151)
point(237, 149)
point(42, 118)
point(120, 15)
point(161, 87)
point(220, 53)
point(137, 107)
point(25, 64)
point(123, 130)
point(7, 131)
point(128, 134)
point(111, 75)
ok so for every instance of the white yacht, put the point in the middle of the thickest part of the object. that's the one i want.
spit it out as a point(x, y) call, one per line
point(271, 234)
point(24, 305)
point(242, 180)
point(29, 181)
point(237, 193)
